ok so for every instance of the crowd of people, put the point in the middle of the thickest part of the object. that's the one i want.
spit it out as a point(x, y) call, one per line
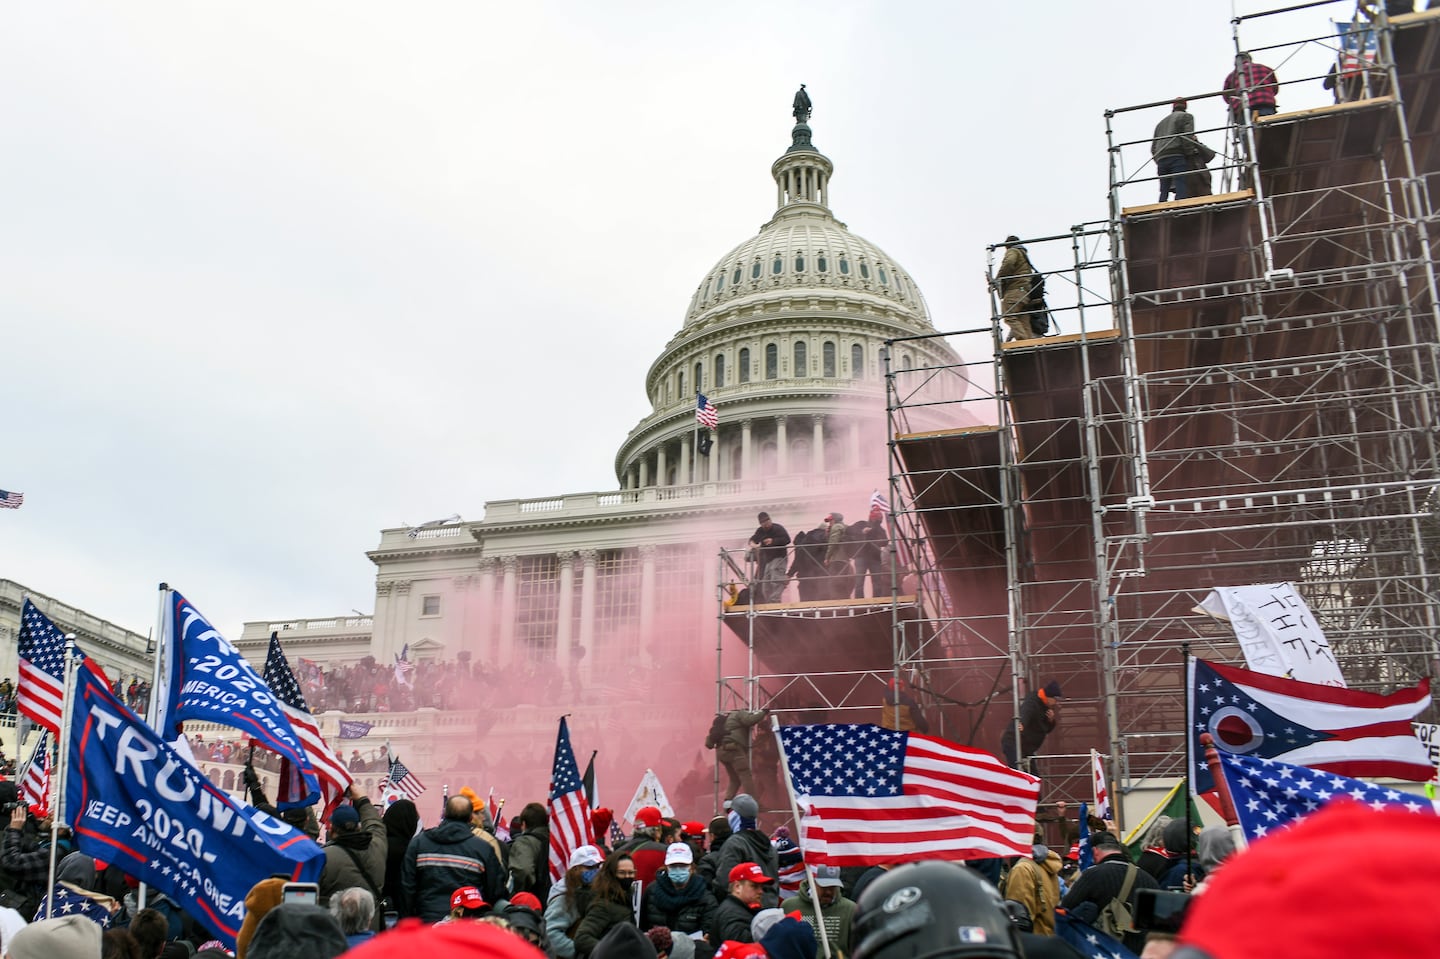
point(835, 560)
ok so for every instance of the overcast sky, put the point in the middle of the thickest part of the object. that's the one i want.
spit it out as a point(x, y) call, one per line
point(274, 277)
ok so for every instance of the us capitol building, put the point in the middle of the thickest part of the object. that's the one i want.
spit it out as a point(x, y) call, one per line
point(604, 604)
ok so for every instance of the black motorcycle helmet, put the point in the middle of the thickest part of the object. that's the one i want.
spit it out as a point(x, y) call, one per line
point(933, 910)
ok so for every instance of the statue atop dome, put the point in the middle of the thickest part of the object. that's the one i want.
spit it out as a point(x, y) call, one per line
point(802, 106)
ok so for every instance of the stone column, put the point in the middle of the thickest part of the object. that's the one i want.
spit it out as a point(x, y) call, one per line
point(817, 443)
point(782, 447)
point(565, 609)
point(661, 463)
point(587, 608)
point(747, 457)
point(712, 470)
point(485, 622)
point(506, 652)
point(384, 616)
point(644, 470)
point(647, 596)
point(854, 445)
point(686, 442)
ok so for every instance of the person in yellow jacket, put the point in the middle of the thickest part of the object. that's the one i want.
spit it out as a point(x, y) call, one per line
point(1035, 883)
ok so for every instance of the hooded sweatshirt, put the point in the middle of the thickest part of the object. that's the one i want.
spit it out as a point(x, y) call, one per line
point(839, 916)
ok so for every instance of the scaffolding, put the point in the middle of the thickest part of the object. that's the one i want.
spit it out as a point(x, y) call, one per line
point(1243, 390)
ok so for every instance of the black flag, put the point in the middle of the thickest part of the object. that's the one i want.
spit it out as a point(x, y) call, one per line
point(588, 780)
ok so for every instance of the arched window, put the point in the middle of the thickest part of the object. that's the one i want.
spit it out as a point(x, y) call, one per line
point(799, 263)
point(821, 263)
point(844, 265)
point(864, 270)
point(827, 360)
point(680, 379)
point(719, 282)
point(907, 362)
point(772, 361)
point(755, 270)
point(800, 368)
point(735, 280)
point(777, 266)
point(734, 459)
point(700, 376)
point(719, 370)
point(884, 278)
point(744, 370)
point(857, 362)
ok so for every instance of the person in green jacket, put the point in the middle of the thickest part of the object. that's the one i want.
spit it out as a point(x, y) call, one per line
point(611, 905)
point(837, 911)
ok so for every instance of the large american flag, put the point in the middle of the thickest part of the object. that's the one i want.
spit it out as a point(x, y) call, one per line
point(41, 691)
point(569, 812)
point(705, 412)
point(35, 786)
point(871, 795)
point(9, 500)
point(1270, 795)
point(402, 779)
point(330, 770)
point(879, 502)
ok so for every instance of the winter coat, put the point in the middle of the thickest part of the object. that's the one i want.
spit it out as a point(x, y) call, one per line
point(623, 941)
point(838, 917)
point(343, 871)
point(731, 921)
point(748, 845)
point(441, 860)
point(687, 909)
point(836, 549)
point(599, 918)
point(530, 862)
point(736, 741)
point(1037, 885)
point(561, 921)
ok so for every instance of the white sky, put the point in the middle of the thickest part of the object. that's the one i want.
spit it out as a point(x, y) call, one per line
point(276, 276)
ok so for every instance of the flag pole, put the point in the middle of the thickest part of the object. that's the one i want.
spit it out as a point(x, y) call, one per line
point(1189, 765)
point(154, 708)
point(800, 837)
point(57, 795)
point(695, 441)
point(1227, 803)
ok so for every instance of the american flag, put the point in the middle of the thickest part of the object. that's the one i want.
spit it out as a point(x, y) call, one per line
point(35, 786)
point(404, 780)
point(1102, 790)
point(1091, 942)
point(569, 812)
point(41, 690)
point(705, 412)
point(870, 795)
point(879, 502)
point(404, 669)
point(9, 500)
point(1270, 795)
point(329, 768)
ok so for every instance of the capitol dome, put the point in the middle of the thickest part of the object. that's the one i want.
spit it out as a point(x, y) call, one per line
point(786, 330)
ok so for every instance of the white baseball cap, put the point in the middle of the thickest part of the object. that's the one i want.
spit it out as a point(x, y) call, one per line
point(585, 856)
point(679, 852)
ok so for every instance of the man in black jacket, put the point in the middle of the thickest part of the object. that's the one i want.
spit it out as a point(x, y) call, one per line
point(748, 884)
point(769, 544)
point(1094, 889)
point(442, 859)
point(747, 845)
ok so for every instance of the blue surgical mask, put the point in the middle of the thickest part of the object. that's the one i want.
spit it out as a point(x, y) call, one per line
point(589, 875)
point(679, 875)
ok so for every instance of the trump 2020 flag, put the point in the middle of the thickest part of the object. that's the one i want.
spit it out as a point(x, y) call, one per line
point(1346, 731)
point(1270, 795)
point(870, 795)
point(136, 803)
point(207, 679)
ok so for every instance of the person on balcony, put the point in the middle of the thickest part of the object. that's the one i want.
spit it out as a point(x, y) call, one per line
point(769, 548)
point(1171, 146)
point(1256, 82)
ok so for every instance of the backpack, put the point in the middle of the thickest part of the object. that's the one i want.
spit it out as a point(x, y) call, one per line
point(716, 735)
point(1115, 919)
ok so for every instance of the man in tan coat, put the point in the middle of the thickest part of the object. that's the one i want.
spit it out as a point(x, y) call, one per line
point(1035, 882)
point(1015, 280)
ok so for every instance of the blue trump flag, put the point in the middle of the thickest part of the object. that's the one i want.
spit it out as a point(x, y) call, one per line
point(135, 802)
point(206, 678)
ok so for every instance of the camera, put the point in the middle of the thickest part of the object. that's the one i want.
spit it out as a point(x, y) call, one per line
point(1160, 910)
point(9, 807)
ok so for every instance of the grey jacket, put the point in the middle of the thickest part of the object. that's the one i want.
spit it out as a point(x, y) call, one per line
point(1173, 136)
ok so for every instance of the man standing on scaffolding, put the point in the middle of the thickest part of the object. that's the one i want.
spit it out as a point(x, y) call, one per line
point(1257, 82)
point(1172, 146)
point(768, 545)
point(1016, 280)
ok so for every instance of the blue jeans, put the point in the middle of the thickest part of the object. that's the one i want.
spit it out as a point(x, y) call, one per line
point(1172, 168)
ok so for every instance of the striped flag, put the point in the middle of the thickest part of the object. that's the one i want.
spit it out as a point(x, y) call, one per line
point(35, 786)
point(880, 503)
point(330, 769)
point(569, 812)
point(404, 780)
point(1102, 791)
point(41, 690)
point(870, 795)
point(705, 412)
point(404, 669)
point(9, 500)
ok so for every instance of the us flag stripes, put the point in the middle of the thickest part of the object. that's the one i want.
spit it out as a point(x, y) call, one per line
point(330, 770)
point(870, 795)
point(878, 503)
point(42, 668)
point(9, 500)
point(35, 786)
point(404, 780)
point(705, 412)
point(569, 812)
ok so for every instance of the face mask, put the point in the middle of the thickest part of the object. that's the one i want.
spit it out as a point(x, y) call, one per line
point(678, 875)
point(627, 883)
point(589, 875)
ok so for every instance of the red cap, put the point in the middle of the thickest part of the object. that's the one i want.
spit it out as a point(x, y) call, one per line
point(1265, 900)
point(693, 828)
point(735, 949)
point(468, 897)
point(449, 940)
point(750, 871)
point(526, 899)
point(648, 816)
